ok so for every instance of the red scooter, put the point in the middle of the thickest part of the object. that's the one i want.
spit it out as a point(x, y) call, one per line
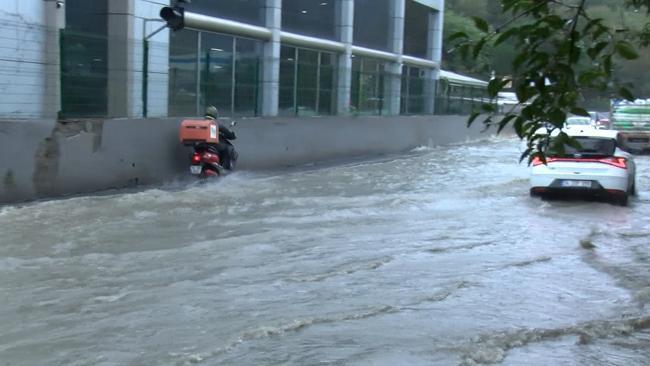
point(205, 159)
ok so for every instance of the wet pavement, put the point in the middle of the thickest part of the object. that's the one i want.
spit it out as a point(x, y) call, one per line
point(436, 257)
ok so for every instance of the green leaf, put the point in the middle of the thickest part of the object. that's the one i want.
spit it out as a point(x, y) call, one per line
point(472, 118)
point(519, 126)
point(481, 24)
point(479, 47)
point(494, 87)
point(594, 51)
point(505, 36)
point(488, 108)
point(580, 112)
point(519, 60)
point(626, 50)
point(556, 116)
point(587, 77)
point(457, 35)
point(592, 23)
point(607, 65)
point(626, 93)
point(504, 122)
point(573, 143)
point(554, 21)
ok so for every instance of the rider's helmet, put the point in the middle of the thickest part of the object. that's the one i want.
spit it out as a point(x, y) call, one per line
point(212, 112)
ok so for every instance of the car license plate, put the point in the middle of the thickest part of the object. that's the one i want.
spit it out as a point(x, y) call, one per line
point(195, 169)
point(576, 183)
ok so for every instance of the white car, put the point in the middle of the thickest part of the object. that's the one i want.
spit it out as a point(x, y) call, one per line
point(577, 122)
point(599, 167)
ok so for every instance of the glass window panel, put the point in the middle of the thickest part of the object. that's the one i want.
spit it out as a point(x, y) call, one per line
point(404, 95)
point(416, 90)
point(87, 16)
point(246, 11)
point(307, 82)
point(367, 86)
point(325, 105)
point(182, 73)
point(371, 23)
point(416, 23)
point(247, 76)
point(354, 92)
point(310, 17)
point(287, 80)
point(216, 68)
point(84, 59)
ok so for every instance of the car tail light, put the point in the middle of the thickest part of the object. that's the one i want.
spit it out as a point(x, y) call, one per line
point(616, 161)
point(196, 158)
point(538, 161)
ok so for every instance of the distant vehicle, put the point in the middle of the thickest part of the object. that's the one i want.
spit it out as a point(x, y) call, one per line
point(632, 119)
point(578, 122)
point(603, 122)
point(598, 168)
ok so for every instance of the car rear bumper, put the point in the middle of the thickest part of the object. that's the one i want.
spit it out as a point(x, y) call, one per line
point(555, 181)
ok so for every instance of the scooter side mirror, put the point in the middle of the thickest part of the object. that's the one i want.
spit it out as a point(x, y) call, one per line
point(233, 123)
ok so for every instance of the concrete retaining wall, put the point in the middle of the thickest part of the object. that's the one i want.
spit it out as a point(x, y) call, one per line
point(45, 158)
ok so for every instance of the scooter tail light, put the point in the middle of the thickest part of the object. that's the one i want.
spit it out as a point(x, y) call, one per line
point(196, 158)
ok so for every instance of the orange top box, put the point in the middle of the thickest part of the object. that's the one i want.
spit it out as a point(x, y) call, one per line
point(197, 131)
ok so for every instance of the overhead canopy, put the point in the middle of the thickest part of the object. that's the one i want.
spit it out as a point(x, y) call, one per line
point(454, 78)
point(434, 4)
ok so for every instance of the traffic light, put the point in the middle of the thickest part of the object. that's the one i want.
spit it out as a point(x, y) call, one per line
point(174, 16)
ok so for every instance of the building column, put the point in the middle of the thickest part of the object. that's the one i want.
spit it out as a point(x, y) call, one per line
point(54, 22)
point(345, 32)
point(271, 59)
point(393, 86)
point(120, 91)
point(434, 53)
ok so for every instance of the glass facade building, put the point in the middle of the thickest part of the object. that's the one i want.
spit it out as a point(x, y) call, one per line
point(315, 73)
point(306, 82)
point(213, 69)
point(257, 58)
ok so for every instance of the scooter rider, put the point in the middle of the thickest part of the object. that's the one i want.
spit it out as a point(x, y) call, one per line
point(226, 150)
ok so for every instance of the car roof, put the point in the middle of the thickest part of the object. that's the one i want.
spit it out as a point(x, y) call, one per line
point(592, 132)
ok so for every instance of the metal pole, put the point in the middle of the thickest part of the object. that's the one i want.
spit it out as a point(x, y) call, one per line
point(232, 76)
point(378, 89)
point(318, 83)
point(407, 92)
point(145, 76)
point(295, 81)
point(198, 73)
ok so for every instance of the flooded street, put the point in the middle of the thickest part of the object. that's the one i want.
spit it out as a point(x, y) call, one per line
point(436, 257)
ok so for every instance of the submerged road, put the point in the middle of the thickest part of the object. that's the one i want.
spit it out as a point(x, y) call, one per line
point(436, 257)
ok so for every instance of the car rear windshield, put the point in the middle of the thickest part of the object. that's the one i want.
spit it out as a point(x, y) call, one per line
point(592, 146)
point(578, 121)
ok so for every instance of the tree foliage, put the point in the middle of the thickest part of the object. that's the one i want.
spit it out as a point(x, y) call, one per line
point(564, 53)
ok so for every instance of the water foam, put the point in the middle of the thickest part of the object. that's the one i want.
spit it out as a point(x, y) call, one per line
point(344, 270)
point(296, 325)
point(493, 348)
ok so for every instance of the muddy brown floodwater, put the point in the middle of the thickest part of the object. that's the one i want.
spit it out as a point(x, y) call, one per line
point(435, 257)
